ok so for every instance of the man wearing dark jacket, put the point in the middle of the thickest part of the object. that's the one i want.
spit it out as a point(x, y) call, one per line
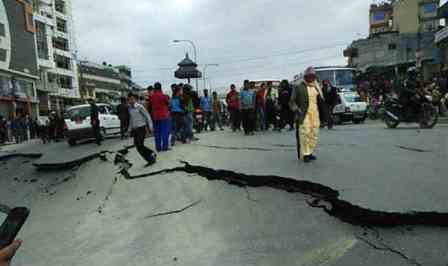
point(286, 115)
point(123, 115)
point(331, 99)
point(95, 121)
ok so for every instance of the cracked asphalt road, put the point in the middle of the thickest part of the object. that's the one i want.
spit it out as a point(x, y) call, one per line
point(91, 215)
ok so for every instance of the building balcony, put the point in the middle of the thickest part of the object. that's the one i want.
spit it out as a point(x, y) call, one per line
point(68, 93)
point(61, 52)
point(44, 17)
point(46, 63)
point(61, 15)
point(60, 34)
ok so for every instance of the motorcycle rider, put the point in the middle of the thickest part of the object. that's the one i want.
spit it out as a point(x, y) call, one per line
point(409, 90)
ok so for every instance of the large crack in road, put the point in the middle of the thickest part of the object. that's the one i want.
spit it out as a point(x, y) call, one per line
point(325, 197)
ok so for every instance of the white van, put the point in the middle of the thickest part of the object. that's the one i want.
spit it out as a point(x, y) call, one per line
point(350, 109)
point(78, 127)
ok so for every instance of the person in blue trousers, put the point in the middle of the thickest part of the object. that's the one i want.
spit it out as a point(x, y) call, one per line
point(161, 117)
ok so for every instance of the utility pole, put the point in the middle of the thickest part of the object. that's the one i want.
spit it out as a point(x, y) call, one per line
point(204, 74)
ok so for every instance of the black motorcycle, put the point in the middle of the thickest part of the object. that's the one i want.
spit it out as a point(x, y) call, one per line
point(421, 111)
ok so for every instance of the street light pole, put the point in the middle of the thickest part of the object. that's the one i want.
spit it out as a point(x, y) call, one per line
point(204, 74)
point(195, 55)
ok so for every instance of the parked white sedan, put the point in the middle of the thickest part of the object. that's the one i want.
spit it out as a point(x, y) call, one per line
point(351, 108)
point(78, 126)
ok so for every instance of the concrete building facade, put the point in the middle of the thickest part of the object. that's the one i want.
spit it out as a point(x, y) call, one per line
point(58, 86)
point(413, 16)
point(441, 37)
point(380, 18)
point(18, 66)
point(101, 82)
point(407, 39)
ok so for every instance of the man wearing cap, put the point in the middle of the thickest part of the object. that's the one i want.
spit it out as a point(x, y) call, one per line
point(305, 101)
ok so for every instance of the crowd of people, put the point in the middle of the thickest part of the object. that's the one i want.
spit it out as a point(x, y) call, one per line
point(169, 118)
point(21, 128)
point(172, 119)
point(374, 88)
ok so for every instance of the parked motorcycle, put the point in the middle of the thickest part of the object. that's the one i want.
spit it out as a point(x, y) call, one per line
point(424, 112)
point(199, 120)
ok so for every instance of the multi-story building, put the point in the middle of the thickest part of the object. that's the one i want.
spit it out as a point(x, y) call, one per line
point(401, 34)
point(441, 38)
point(100, 82)
point(58, 85)
point(380, 18)
point(18, 66)
point(415, 16)
point(125, 74)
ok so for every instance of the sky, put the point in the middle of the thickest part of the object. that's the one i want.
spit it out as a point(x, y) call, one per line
point(249, 39)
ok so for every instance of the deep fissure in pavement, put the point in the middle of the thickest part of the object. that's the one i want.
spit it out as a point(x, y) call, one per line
point(325, 197)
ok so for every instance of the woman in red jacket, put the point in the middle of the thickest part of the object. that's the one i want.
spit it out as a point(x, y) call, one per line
point(160, 114)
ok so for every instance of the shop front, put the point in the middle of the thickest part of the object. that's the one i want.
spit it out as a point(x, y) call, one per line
point(17, 96)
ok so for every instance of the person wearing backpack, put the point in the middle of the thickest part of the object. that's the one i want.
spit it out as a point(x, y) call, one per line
point(248, 108)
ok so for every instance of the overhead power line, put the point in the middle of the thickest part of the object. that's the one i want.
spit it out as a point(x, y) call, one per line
point(253, 58)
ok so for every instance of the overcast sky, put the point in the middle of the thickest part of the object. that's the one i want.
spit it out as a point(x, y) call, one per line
point(249, 39)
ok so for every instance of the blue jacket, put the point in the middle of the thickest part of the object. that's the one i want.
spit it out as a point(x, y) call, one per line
point(206, 104)
point(247, 99)
point(176, 105)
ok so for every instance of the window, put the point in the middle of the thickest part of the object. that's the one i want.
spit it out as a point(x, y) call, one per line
point(429, 26)
point(344, 77)
point(41, 39)
point(2, 54)
point(62, 62)
point(392, 46)
point(61, 25)
point(429, 8)
point(109, 109)
point(2, 30)
point(352, 98)
point(325, 75)
point(78, 113)
point(60, 43)
point(51, 77)
point(379, 16)
point(60, 6)
point(102, 109)
point(65, 82)
point(28, 12)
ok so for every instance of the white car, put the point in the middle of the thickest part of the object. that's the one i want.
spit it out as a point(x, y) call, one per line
point(78, 126)
point(350, 109)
